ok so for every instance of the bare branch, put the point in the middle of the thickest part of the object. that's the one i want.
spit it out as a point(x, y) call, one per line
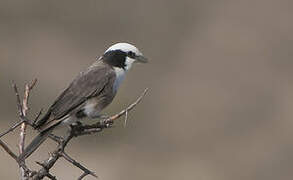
point(14, 156)
point(109, 121)
point(75, 131)
point(77, 164)
point(79, 130)
point(51, 176)
point(6, 148)
point(49, 163)
point(11, 128)
point(82, 176)
point(130, 107)
point(22, 109)
point(23, 175)
point(18, 101)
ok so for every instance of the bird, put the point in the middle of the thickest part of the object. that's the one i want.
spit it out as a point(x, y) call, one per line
point(89, 93)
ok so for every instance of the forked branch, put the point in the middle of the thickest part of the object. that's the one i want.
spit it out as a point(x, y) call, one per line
point(76, 130)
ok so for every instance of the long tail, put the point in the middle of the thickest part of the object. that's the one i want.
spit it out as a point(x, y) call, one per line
point(37, 141)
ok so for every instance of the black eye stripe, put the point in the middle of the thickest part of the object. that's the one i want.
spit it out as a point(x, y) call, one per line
point(115, 58)
point(131, 54)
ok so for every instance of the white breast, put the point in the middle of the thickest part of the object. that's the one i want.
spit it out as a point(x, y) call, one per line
point(90, 108)
point(120, 75)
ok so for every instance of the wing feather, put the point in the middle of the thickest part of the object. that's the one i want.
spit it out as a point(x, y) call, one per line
point(86, 85)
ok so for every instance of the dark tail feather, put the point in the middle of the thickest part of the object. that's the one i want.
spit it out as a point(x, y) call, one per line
point(37, 141)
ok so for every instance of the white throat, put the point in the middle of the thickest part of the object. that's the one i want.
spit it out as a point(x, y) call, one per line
point(128, 63)
point(120, 73)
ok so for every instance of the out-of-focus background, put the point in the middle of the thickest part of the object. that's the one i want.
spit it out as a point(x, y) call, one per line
point(220, 78)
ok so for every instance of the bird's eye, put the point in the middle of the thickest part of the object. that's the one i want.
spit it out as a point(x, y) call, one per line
point(131, 54)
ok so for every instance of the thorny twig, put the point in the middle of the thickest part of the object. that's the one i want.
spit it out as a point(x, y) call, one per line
point(7, 149)
point(75, 131)
point(11, 128)
point(14, 156)
point(109, 121)
point(79, 130)
point(77, 164)
point(23, 111)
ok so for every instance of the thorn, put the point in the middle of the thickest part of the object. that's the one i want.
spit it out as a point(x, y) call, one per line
point(41, 164)
point(126, 117)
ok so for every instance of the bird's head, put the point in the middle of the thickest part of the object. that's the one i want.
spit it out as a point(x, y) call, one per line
point(122, 55)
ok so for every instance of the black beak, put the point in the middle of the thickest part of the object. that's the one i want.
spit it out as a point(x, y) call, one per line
point(141, 59)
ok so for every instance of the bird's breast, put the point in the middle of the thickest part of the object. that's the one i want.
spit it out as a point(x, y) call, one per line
point(120, 75)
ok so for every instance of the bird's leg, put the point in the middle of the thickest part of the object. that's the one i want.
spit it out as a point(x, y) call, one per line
point(105, 121)
point(76, 127)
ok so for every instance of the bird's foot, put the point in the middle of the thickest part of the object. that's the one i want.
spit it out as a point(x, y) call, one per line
point(76, 127)
point(106, 122)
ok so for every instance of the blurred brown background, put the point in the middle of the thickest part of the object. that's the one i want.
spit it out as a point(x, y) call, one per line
point(220, 78)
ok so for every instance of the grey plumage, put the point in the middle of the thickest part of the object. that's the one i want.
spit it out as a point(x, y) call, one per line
point(89, 93)
point(95, 82)
point(95, 85)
